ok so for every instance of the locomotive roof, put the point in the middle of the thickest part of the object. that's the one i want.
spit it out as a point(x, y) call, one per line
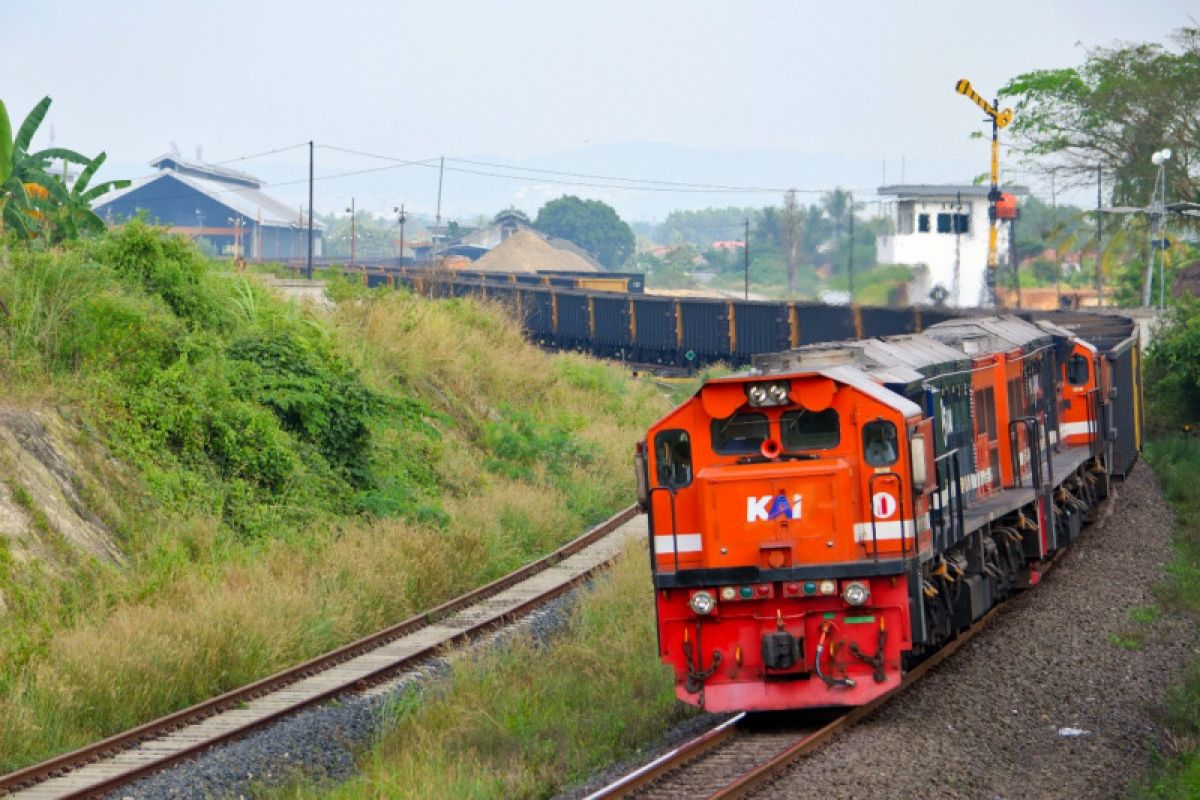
point(895, 359)
point(846, 372)
point(988, 334)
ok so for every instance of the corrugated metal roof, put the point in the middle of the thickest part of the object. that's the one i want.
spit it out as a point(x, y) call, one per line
point(245, 201)
point(202, 170)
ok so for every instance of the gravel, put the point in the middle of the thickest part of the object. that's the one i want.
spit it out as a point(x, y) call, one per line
point(1060, 697)
point(321, 743)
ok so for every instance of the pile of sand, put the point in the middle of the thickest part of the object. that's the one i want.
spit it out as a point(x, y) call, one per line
point(525, 251)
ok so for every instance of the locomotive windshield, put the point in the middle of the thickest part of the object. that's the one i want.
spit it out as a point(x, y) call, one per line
point(879, 443)
point(741, 433)
point(810, 430)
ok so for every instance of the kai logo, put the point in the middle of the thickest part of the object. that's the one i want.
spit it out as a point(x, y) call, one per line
point(772, 506)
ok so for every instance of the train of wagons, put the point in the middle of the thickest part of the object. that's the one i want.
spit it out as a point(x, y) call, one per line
point(824, 520)
point(609, 315)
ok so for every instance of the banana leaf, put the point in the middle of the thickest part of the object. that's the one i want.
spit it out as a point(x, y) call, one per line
point(31, 124)
point(6, 144)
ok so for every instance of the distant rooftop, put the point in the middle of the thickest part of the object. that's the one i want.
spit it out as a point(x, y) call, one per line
point(206, 171)
point(945, 190)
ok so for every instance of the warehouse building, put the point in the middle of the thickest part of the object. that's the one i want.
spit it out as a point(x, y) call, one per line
point(217, 205)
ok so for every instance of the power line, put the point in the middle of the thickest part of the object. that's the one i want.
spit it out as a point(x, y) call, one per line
point(635, 184)
point(260, 155)
point(650, 181)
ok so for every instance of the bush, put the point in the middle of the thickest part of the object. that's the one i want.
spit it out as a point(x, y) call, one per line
point(1173, 366)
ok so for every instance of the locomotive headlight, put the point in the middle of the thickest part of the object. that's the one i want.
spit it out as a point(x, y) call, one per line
point(702, 603)
point(856, 593)
point(772, 393)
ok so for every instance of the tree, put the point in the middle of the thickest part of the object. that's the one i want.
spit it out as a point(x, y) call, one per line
point(591, 224)
point(703, 227)
point(1116, 109)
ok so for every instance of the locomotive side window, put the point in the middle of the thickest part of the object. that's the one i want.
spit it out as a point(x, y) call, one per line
point(810, 430)
point(673, 455)
point(879, 443)
point(1077, 370)
point(741, 433)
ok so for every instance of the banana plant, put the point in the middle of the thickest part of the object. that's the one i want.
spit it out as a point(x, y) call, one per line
point(74, 214)
point(53, 207)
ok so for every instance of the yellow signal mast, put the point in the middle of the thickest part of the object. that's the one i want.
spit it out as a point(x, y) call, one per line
point(1000, 119)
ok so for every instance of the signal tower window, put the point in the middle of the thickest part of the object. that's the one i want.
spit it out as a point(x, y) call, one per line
point(922, 223)
point(880, 446)
point(810, 430)
point(944, 224)
point(741, 433)
point(1077, 370)
point(673, 457)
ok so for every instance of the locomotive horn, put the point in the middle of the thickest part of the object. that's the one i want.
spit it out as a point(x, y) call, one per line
point(770, 449)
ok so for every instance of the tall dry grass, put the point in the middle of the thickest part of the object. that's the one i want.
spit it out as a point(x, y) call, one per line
point(199, 611)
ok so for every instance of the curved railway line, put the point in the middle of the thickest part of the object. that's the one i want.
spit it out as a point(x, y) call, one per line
point(118, 760)
point(745, 752)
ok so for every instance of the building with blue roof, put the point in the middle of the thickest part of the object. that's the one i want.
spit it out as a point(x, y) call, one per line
point(225, 207)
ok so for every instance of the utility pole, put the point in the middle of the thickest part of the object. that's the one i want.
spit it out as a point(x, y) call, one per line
point(1099, 237)
point(957, 246)
point(438, 220)
point(402, 220)
point(310, 208)
point(1000, 119)
point(746, 261)
point(1013, 257)
point(850, 251)
point(353, 238)
point(1057, 253)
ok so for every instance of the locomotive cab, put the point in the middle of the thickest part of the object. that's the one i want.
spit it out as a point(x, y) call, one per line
point(780, 509)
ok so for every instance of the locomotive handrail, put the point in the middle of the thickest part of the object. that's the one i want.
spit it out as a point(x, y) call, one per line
point(899, 510)
point(1031, 425)
point(947, 465)
point(674, 527)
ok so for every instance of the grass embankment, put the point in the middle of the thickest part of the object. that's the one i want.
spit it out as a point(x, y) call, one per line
point(284, 480)
point(1176, 462)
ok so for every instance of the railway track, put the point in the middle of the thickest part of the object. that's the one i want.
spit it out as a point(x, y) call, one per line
point(109, 764)
point(746, 751)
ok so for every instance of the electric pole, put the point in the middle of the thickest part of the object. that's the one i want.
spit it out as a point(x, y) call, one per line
point(310, 209)
point(402, 220)
point(850, 251)
point(1099, 237)
point(438, 220)
point(746, 261)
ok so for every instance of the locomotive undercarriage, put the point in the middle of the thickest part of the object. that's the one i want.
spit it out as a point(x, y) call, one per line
point(960, 585)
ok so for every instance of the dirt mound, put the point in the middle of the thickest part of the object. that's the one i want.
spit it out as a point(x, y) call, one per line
point(42, 492)
point(526, 251)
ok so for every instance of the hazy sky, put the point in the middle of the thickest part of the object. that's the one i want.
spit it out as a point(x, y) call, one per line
point(522, 80)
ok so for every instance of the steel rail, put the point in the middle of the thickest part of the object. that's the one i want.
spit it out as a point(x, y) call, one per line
point(109, 747)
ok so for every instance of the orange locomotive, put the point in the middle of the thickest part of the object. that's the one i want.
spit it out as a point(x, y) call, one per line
point(822, 521)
